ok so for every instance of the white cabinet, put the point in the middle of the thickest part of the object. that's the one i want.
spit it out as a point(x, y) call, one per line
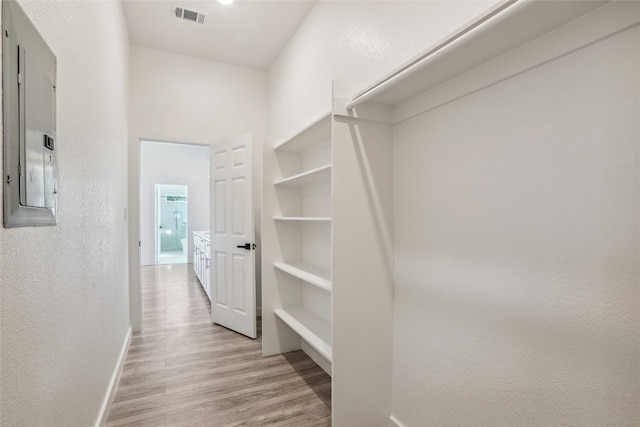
point(206, 283)
point(202, 259)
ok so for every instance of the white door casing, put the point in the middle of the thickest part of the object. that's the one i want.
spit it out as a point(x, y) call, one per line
point(158, 222)
point(233, 291)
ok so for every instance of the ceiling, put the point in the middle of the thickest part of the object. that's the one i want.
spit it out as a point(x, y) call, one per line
point(249, 33)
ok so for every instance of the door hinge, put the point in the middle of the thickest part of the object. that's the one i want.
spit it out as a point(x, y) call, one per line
point(19, 78)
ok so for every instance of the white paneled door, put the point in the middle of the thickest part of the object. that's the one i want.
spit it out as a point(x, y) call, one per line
point(233, 297)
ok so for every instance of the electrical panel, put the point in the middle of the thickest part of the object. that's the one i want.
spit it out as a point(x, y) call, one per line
point(29, 122)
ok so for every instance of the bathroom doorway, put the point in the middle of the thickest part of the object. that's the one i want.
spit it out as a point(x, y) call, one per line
point(171, 224)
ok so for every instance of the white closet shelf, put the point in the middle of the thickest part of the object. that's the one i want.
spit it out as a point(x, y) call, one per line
point(310, 274)
point(309, 136)
point(311, 328)
point(500, 30)
point(302, 218)
point(322, 173)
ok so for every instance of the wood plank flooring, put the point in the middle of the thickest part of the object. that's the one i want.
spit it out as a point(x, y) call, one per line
point(182, 370)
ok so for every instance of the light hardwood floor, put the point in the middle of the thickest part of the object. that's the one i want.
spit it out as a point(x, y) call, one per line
point(183, 371)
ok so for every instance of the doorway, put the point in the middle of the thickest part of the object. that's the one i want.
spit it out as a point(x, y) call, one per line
point(171, 224)
point(183, 171)
point(162, 162)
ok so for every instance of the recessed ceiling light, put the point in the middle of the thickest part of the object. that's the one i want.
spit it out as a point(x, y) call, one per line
point(225, 2)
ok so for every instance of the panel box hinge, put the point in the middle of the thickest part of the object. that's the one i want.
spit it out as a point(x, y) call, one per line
point(19, 78)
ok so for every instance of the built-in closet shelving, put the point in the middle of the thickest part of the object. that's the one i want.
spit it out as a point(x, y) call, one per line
point(327, 259)
point(302, 218)
point(312, 329)
point(328, 194)
point(368, 129)
point(310, 274)
point(297, 261)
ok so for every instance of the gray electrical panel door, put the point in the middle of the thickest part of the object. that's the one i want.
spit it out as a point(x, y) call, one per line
point(29, 86)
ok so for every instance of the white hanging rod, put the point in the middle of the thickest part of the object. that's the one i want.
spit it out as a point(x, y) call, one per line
point(424, 59)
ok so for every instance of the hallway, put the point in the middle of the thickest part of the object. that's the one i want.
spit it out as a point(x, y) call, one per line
point(183, 371)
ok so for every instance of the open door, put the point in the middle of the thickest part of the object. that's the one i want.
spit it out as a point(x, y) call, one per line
point(233, 293)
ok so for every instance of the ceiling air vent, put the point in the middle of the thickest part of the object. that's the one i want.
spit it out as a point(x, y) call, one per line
point(188, 15)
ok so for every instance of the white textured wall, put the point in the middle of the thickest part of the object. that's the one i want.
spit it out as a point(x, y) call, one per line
point(64, 288)
point(184, 99)
point(517, 249)
point(359, 41)
point(181, 164)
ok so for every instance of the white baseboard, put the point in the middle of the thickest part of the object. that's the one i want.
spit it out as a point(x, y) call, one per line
point(113, 384)
point(394, 422)
point(315, 356)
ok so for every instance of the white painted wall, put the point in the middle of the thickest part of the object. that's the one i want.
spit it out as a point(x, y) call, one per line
point(517, 230)
point(182, 164)
point(187, 99)
point(359, 41)
point(64, 305)
point(192, 100)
